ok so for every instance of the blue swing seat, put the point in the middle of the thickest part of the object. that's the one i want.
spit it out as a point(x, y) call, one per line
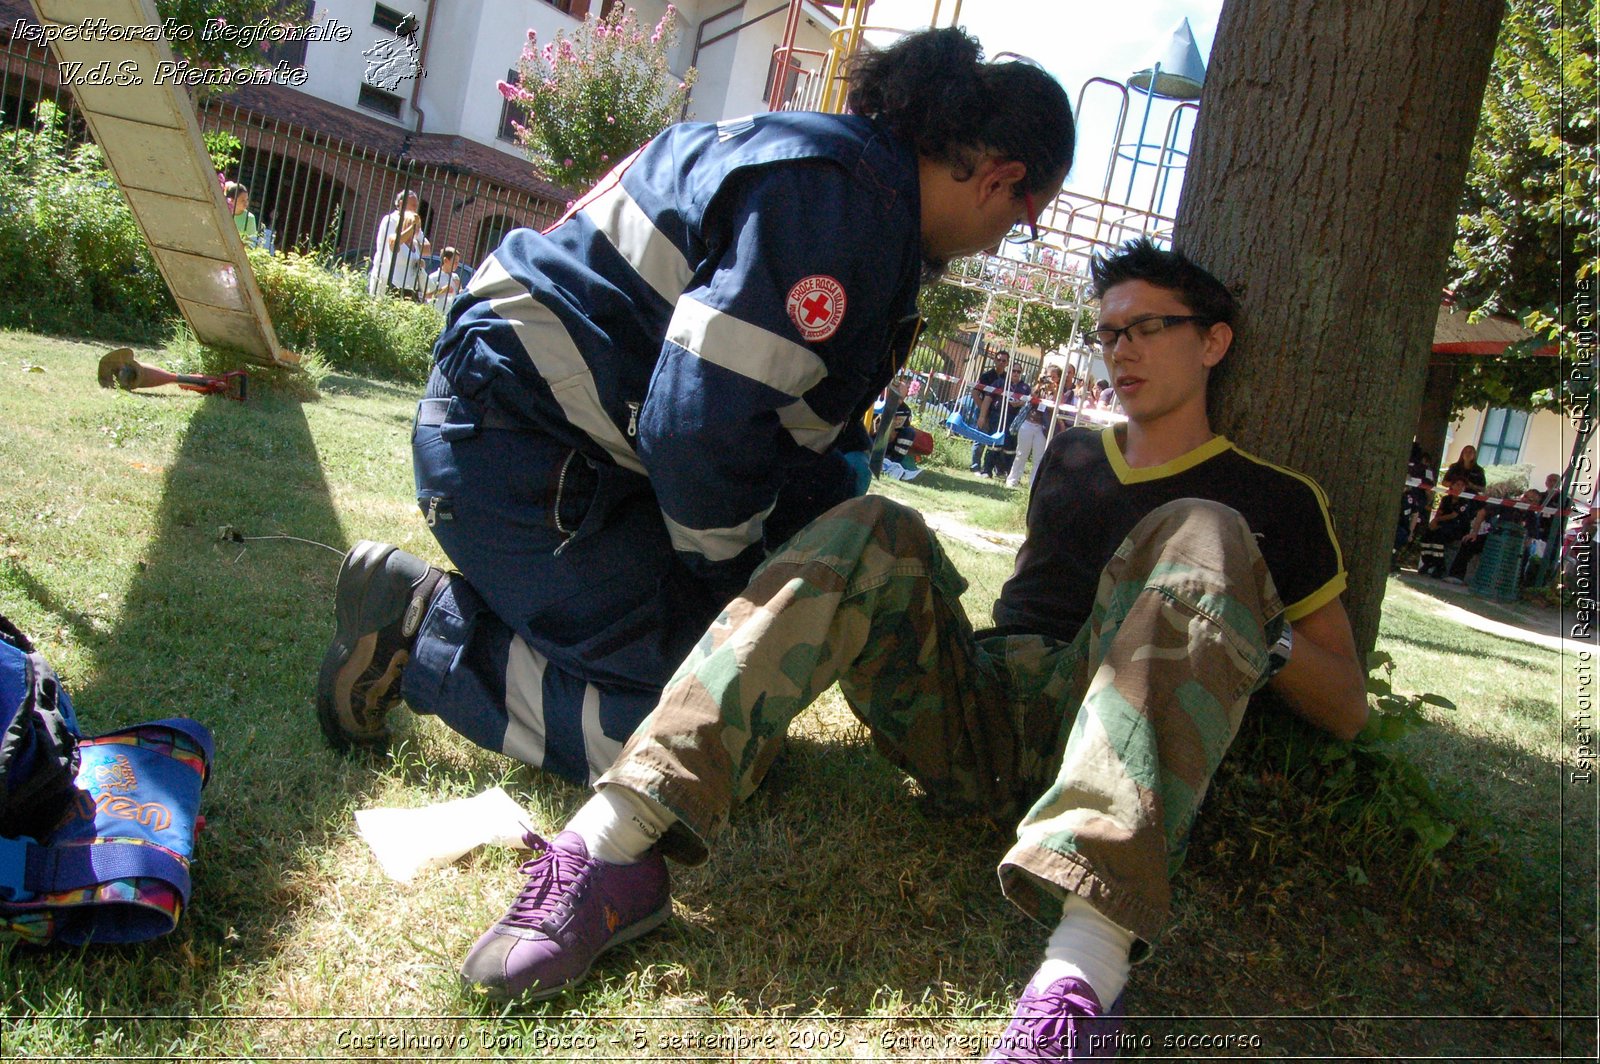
point(961, 427)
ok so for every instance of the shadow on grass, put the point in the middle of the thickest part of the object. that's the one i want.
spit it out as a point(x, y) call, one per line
point(229, 634)
point(1522, 615)
point(954, 482)
point(832, 890)
point(1277, 914)
point(364, 388)
point(1516, 650)
point(82, 625)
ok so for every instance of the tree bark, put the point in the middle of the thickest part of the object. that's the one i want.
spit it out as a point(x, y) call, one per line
point(1438, 398)
point(1326, 173)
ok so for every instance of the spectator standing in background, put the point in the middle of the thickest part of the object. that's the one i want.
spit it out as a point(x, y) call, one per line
point(398, 249)
point(243, 221)
point(1466, 464)
point(444, 284)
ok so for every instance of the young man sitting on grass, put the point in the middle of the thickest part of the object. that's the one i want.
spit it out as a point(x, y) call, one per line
point(1147, 604)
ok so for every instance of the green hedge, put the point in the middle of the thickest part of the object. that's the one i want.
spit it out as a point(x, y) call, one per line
point(323, 310)
point(71, 259)
point(73, 262)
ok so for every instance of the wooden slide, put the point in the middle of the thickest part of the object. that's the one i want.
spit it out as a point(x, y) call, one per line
point(142, 117)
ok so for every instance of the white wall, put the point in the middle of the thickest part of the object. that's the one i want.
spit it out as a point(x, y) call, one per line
point(733, 71)
point(472, 43)
point(494, 45)
point(334, 69)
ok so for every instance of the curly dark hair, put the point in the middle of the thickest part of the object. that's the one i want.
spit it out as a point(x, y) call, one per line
point(934, 91)
point(1141, 260)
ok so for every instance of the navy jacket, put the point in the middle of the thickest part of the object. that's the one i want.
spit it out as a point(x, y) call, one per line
point(715, 316)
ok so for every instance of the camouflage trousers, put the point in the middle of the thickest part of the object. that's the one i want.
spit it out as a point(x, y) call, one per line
point(1100, 749)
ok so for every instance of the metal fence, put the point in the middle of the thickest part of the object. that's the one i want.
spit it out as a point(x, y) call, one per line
point(311, 190)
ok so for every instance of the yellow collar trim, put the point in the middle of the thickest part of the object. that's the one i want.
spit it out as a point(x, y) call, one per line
point(1126, 474)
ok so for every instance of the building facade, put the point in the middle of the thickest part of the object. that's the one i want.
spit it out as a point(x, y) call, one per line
point(404, 97)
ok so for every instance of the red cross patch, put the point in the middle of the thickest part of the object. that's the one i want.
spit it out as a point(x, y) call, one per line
point(816, 306)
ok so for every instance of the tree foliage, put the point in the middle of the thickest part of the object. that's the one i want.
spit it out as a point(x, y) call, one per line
point(1526, 235)
point(1042, 326)
point(946, 307)
point(1048, 328)
point(591, 99)
point(232, 48)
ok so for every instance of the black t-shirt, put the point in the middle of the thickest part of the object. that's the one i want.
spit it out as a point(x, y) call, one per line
point(1476, 477)
point(1087, 499)
point(1454, 514)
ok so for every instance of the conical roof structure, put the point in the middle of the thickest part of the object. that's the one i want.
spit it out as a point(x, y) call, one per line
point(1182, 72)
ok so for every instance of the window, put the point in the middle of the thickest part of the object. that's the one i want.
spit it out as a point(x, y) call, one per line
point(388, 18)
point(791, 78)
point(292, 51)
point(576, 8)
point(375, 99)
point(1501, 440)
point(510, 112)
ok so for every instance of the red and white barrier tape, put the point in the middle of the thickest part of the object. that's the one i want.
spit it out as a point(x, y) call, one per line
point(1515, 504)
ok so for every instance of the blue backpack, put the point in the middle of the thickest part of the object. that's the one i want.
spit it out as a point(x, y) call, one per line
point(95, 833)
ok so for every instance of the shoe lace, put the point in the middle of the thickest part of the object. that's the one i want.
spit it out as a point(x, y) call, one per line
point(554, 880)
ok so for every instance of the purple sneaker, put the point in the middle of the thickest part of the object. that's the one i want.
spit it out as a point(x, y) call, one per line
point(572, 909)
point(1061, 1021)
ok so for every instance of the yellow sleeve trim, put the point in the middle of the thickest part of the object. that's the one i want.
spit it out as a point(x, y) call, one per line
point(1317, 599)
point(1327, 521)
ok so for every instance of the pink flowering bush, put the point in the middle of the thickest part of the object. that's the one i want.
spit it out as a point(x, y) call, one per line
point(596, 96)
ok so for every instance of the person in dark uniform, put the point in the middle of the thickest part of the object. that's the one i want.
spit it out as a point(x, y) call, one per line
point(629, 410)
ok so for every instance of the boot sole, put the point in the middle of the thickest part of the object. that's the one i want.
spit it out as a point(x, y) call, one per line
point(351, 652)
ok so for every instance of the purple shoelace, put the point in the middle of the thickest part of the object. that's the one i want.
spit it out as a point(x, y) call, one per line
point(551, 873)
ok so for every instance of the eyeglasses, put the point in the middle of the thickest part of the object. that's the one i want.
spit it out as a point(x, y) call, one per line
point(1145, 328)
point(1026, 232)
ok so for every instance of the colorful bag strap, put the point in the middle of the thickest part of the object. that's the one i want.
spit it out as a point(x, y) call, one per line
point(117, 868)
point(28, 869)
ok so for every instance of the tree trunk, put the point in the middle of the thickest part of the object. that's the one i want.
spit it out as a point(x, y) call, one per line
point(1325, 178)
point(1433, 417)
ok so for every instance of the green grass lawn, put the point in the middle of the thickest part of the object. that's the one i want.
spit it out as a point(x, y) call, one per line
point(838, 920)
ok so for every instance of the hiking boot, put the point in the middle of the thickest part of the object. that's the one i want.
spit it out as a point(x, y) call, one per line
point(572, 909)
point(379, 603)
point(1061, 1021)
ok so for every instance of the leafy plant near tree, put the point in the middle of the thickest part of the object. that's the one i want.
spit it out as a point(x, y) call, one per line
point(1361, 803)
point(590, 99)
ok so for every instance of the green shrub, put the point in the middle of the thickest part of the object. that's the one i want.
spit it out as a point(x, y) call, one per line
point(326, 311)
point(73, 261)
point(185, 354)
point(1508, 480)
point(71, 258)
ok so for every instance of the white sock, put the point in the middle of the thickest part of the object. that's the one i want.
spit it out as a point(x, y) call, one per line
point(1089, 947)
point(619, 825)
